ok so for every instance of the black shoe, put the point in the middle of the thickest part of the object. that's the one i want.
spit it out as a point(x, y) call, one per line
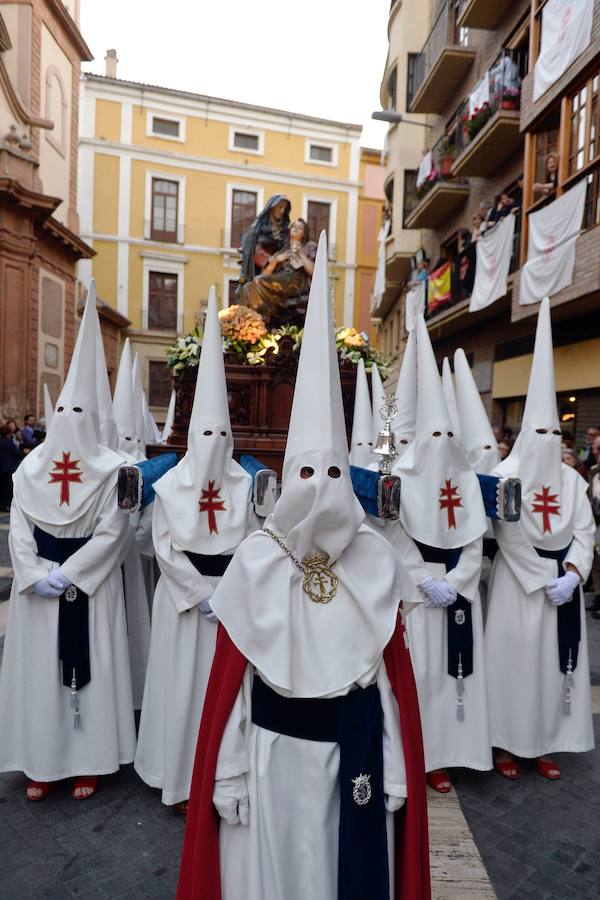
point(594, 606)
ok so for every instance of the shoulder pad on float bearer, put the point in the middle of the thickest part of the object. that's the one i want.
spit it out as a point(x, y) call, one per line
point(265, 488)
point(135, 485)
point(379, 495)
point(501, 497)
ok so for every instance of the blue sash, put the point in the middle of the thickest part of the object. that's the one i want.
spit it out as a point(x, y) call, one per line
point(568, 617)
point(355, 722)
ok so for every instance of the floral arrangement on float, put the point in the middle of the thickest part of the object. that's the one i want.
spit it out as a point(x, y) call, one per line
point(246, 341)
point(479, 117)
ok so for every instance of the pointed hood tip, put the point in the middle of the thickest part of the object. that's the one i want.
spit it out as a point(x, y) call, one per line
point(210, 396)
point(540, 403)
point(431, 402)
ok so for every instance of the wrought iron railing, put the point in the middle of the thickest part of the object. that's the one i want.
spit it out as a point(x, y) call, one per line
point(443, 154)
point(444, 33)
point(500, 88)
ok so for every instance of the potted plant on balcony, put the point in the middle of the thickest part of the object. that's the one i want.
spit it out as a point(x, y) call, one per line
point(447, 156)
point(478, 118)
point(510, 98)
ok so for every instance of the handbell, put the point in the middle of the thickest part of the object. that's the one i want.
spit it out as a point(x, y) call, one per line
point(385, 449)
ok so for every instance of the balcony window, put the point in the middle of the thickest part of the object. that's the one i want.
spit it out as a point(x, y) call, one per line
point(165, 195)
point(243, 213)
point(410, 78)
point(319, 153)
point(162, 301)
point(393, 86)
point(317, 218)
point(159, 384)
point(584, 147)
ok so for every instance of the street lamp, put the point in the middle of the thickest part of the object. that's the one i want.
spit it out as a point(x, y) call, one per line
point(394, 118)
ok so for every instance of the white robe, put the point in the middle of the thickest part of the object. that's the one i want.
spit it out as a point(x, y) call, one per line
point(447, 741)
point(36, 719)
point(293, 791)
point(525, 684)
point(137, 609)
point(182, 647)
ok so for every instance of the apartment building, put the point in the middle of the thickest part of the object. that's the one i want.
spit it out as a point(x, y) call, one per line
point(169, 182)
point(473, 80)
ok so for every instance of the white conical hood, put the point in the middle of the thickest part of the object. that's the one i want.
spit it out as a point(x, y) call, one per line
point(206, 496)
point(59, 480)
point(109, 433)
point(124, 407)
point(378, 397)
point(536, 455)
point(48, 406)
point(138, 401)
point(450, 397)
point(302, 647)
point(319, 512)
point(478, 437)
point(441, 500)
point(151, 432)
point(361, 443)
point(404, 421)
point(168, 426)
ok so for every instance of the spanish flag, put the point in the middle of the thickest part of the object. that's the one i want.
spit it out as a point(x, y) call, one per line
point(440, 287)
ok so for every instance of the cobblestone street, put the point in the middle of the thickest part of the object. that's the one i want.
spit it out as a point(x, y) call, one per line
point(538, 840)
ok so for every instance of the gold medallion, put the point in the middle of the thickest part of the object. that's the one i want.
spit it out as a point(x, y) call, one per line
point(320, 583)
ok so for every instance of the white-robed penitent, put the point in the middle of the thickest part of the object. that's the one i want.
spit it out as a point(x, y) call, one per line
point(442, 516)
point(404, 421)
point(450, 397)
point(361, 441)
point(539, 703)
point(286, 789)
point(202, 511)
point(67, 488)
point(137, 602)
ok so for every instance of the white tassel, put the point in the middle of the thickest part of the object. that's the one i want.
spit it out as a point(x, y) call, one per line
point(568, 688)
point(460, 692)
point(75, 704)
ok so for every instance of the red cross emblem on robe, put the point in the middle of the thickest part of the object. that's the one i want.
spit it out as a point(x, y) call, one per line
point(65, 471)
point(450, 500)
point(547, 504)
point(208, 504)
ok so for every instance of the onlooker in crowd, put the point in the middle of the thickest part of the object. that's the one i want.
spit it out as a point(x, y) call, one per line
point(569, 457)
point(586, 456)
point(567, 440)
point(10, 457)
point(547, 187)
point(27, 435)
point(594, 479)
point(504, 449)
point(39, 430)
point(498, 432)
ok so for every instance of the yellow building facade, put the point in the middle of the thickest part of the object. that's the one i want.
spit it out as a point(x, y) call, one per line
point(169, 181)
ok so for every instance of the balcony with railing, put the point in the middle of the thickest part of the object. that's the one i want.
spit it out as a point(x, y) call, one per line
point(434, 193)
point(486, 130)
point(443, 62)
point(484, 14)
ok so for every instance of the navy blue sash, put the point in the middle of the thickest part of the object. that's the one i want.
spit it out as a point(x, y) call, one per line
point(73, 613)
point(208, 565)
point(568, 617)
point(459, 619)
point(490, 548)
point(355, 722)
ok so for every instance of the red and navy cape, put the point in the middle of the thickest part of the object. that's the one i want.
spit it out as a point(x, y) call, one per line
point(200, 876)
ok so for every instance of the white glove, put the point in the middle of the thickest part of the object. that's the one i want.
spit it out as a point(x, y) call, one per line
point(206, 609)
point(393, 804)
point(439, 592)
point(52, 586)
point(560, 590)
point(230, 797)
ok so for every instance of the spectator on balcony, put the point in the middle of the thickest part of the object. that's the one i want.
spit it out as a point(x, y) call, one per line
point(478, 229)
point(504, 205)
point(547, 187)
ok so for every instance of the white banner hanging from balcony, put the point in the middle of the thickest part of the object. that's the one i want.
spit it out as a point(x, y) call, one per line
point(553, 233)
point(414, 304)
point(425, 168)
point(379, 284)
point(566, 32)
point(480, 95)
point(494, 251)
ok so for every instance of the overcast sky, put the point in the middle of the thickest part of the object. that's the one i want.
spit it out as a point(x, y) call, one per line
point(320, 57)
